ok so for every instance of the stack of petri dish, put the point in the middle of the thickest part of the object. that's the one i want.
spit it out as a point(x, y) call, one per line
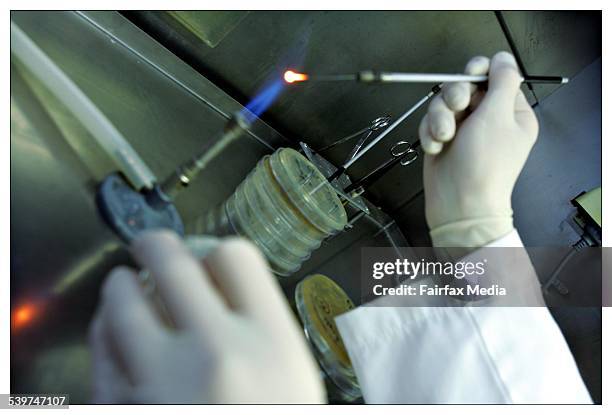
point(285, 206)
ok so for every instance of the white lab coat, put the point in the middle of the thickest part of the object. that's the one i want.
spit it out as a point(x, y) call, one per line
point(461, 355)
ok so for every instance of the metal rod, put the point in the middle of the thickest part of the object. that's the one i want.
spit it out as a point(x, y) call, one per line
point(359, 145)
point(545, 79)
point(410, 77)
point(344, 139)
point(188, 171)
point(341, 77)
point(431, 78)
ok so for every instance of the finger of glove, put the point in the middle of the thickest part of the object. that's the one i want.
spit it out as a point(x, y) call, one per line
point(429, 145)
point(130, 322)
point(476, 100)
point(242, 274)
point(108, 383)
point(185, 289)
point(504, 83)
point(441, 120)
point(478, 65)
point(525, 116)
point(457, 94)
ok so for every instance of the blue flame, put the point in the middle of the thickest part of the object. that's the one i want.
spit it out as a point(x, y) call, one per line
point(275, 84)
point(264, 99)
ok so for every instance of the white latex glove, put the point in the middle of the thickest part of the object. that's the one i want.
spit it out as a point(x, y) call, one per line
point(234, 338)
point(476, 144)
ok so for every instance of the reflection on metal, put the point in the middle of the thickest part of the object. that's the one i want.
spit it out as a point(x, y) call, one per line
point(167, 64)
point(46, 194)
point(83, 267)
point(109, 138)
point(24, 314)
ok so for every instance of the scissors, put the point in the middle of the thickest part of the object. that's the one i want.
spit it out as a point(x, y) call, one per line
point(376, 124)
point(402, 152)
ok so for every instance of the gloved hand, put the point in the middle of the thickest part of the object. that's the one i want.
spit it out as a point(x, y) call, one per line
point(233, 339)
point(476, 143)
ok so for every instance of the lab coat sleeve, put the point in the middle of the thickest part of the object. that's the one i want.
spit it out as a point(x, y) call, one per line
point(461, 354)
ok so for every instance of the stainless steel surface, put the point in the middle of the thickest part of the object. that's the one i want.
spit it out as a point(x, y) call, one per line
point(60, 249)
point(120, 31)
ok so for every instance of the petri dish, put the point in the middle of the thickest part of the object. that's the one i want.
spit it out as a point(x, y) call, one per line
point(318, 301)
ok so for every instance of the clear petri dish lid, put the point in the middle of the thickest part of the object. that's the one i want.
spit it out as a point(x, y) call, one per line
point(308, 190)
point(318, 301)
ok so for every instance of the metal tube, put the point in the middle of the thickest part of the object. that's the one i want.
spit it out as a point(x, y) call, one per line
point(412, 77)
point(187, 172)
point(437, 78)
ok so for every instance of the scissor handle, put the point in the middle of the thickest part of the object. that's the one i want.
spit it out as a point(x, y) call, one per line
point(402, 149)
point(380, 122)
point(402, 153)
